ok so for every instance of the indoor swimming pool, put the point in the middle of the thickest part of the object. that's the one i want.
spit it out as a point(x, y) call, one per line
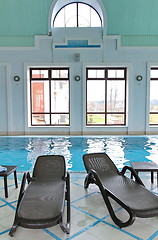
point(23, 150)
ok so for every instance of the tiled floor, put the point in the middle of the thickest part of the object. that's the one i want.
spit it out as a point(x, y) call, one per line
point(90, 219)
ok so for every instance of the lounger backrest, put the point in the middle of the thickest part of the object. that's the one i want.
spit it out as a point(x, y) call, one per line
point(99, 162)
point(49, 167)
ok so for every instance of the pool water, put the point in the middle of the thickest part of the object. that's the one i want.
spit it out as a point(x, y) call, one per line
point(23, 151)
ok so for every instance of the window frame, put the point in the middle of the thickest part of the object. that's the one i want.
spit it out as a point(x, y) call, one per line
point(152, 113)
point(106, 112)
point(49, 79)
point(77, 14)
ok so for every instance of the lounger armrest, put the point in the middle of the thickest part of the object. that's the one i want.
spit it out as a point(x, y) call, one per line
point(67, 178)
point(106, 194)
point(29, 178)
point(134, 173)
point(68, 201)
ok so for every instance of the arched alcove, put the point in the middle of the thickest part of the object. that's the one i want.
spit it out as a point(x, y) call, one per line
point(96, 4)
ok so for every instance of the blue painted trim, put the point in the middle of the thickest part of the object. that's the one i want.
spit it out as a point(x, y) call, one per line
point(86, 46)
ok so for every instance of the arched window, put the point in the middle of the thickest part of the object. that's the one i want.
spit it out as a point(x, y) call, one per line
point(77, 14)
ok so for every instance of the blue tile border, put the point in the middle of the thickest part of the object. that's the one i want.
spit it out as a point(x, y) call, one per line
point(153, 236)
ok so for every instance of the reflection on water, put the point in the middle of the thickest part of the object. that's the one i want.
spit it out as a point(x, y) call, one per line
point(47, 146)
point(23, 151)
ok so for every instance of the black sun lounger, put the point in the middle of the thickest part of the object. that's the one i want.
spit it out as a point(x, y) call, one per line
point(130, 194)
point(41, 205)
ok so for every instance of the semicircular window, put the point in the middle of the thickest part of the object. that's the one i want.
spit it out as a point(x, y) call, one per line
point(77, 15)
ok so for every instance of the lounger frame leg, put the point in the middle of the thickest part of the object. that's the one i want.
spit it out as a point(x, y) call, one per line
point(66, 227)
point(13, 228)
point(89, 179)
point(22, 189)
point(106, 194)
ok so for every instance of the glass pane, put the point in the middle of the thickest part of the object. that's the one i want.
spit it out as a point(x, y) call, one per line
point(95, 96)
point(70, 15)
point(154, 73)
point(71, 21)
point(63, 73)
point(66, 16)
point(115, 96)
point(84, 15)
point(40, 119)
point(153, 96)
point(98, 119)
point(115, 119)
point(60, 119)
point(153, 119)
point(39, 73)
point(59, 96)
point(114, 73)
point(40, 96)
point(60, 20)
point(96, 73)
point(95, 19)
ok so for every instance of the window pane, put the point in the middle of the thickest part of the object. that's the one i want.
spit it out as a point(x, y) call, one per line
point(113, 73)
point(60, 119)
point(95, 19)
point(84, 15)
point(40, 96)
point(66, 16)
point(106, 97)
point(40, 119)
point(115, 119)
point(98, 119)
point(153, 119)
point(95, 96)
point(62, 73)
point(39, 73)
point(153, 96)
point(59, 96)
point(154, 73)
point(96, 73)
point(88, 17)
point(60, 19)
point(115, 96)
point(70, 15)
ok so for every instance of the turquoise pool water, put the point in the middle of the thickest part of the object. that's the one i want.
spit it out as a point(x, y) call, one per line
point(23, 151)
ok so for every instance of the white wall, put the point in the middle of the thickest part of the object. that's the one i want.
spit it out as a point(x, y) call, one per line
point(16, 61)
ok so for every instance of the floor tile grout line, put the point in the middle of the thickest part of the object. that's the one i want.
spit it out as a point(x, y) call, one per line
point(90, 215)
point(1, 233)
point(83, 230)
point(103, 221)
point(77, 184)
point(122, 230)
point(153, 235)
point(78, 199)
point(7, 203)
point(51, 234)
